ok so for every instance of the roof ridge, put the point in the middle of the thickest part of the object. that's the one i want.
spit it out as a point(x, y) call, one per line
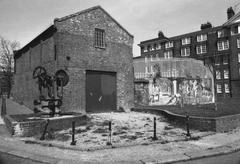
point(231, 19)
point(90, 9)
point(77, 13)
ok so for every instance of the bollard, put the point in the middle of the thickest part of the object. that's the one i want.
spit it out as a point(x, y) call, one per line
point(73, 134)
point(3, 109)
point(154, 129)
point(187, 125)
point(45, 130)
point(110, 133)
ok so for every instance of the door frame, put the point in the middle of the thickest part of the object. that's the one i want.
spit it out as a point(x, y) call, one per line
point(100, 71)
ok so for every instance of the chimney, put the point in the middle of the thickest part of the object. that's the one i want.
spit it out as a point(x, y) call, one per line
point(206, 25)
point(230, 13)
point(161, 35)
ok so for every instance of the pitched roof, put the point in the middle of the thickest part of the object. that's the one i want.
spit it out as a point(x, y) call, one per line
point(88, 10)
point(232, 20)
point(42, 36)
point(52, 29)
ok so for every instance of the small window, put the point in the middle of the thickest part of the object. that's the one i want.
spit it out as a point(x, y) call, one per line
point(226, 87)
point(220, 33)
point(235, 30)
point(218, 75)
point(100, 38)
point(226, 74)
point(201, 49)
point(185, 51)
point(158, 46)
point(225, 59)
point(219, 88)
point(168, 54)
point(152, 48)
point(217, 60)
point(223, 45)
point(186, 41)
point(239, 57)
point(169, 44)
point(145, 49)
point(148, 48)
point(238, 42)
point(202, 37)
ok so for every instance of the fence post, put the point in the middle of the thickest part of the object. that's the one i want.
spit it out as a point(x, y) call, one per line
point(73, 134)
point(154, 129)
point(187, 125)
point(110, 133)
point(3, 109)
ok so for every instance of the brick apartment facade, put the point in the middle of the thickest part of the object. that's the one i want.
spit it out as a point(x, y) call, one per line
point(88, 44)
point(218, 48)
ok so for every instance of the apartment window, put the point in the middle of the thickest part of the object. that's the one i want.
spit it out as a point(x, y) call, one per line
point(219, 88)
point(201, 49)
point(201, 37)
point(168, 54)
point(185, 51)
point(239, 57)
point(100, 38)
point(226, 74)
point(169, 44)
point(145, 49)
point(158, 47)
point(151, 48)
point(223, 45)
point(226, 87)
point(155, 46)
point(217, 60)
point(220, 33)
point(186, 41)
point(225, 60)
point(218, 75)
point(238, 42)
point(235, 30)
point(148, 48)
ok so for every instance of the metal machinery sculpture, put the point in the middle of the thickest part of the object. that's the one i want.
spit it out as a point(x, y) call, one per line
point(51, 83)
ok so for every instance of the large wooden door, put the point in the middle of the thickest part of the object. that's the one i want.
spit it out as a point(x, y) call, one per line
point(100, 91)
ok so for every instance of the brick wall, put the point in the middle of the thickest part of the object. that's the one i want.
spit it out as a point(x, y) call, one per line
point(75, 53)
point(25, 88)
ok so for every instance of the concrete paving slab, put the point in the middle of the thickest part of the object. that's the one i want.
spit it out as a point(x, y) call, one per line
point(209, 152)
point(43, 159)
point(167, 159)
point(19, 153)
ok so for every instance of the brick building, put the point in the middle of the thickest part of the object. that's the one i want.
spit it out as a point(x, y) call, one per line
point(217, 47)
point(94, 50)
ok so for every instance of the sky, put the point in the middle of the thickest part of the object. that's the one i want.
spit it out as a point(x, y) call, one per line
point(23, 20)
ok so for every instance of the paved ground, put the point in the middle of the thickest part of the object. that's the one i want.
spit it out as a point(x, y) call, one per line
point(213, 144)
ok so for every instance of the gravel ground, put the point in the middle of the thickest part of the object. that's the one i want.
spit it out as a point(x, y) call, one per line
point(127, 129)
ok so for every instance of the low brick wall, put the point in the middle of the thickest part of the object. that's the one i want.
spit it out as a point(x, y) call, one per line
point(36, 127)
point(218, 124)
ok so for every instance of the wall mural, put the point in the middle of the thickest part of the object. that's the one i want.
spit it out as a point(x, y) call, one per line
point(175, 81)
point(190, 91)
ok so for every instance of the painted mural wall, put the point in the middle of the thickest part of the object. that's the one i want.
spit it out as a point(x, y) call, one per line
point(174, 81)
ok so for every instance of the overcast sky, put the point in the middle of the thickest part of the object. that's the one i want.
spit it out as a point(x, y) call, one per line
point(22, 20)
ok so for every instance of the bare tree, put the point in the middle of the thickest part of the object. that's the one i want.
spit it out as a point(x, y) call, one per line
point(7, 49)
